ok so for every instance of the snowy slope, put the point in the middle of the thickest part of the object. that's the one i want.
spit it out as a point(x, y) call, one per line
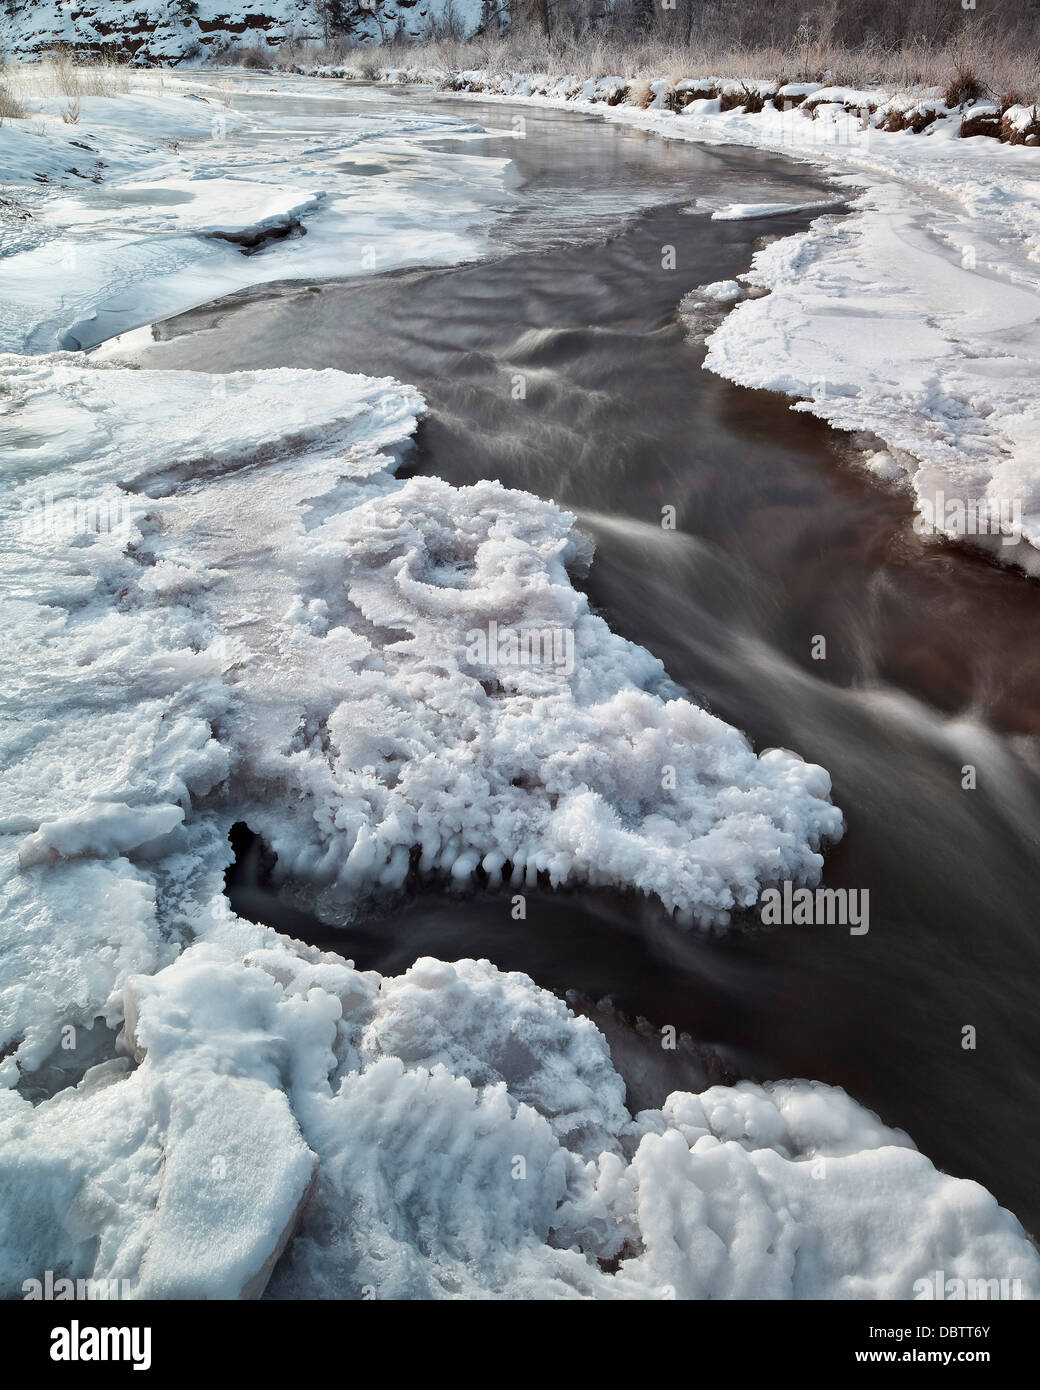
point(170, 31)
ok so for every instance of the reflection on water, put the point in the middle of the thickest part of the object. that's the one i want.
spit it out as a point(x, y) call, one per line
point(933, 656)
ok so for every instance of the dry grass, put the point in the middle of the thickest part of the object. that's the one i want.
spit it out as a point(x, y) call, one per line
point(58, 74)
point(11, 109)
point(964, 86)
point(977, 60)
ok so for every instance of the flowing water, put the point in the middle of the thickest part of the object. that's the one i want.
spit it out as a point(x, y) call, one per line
point(933, 655)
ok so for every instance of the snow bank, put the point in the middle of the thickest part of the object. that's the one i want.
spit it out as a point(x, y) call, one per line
point(455, 1132)
point(889, 323)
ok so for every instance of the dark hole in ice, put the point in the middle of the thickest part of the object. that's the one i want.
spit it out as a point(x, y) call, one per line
point(609, 955)
point(80, 1047)
point(250, 242)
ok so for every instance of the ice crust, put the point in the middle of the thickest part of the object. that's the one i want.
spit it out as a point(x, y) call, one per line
point(282, 576)
point(455, 1132)
point(145, 206)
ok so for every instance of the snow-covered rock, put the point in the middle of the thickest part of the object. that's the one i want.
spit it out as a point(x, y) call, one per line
point(172, 31)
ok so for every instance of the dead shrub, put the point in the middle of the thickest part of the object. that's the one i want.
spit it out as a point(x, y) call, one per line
point(254, 58)
point(10, 107)
point(744, 98)
point(963, 87)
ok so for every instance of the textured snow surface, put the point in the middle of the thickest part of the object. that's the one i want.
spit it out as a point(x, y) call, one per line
point(454, 1132)
point(150, 203)
point(281, 573)
point(274, 629)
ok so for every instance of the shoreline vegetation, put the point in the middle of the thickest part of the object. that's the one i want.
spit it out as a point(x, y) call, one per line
point(901, 92)
point(913, 108)
point(963, 51)
point(978, 64)
point(968, 49)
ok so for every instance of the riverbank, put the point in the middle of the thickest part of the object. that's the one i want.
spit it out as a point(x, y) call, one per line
point(913, 324)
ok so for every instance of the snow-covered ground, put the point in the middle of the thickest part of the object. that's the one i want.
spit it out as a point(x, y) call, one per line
point(221, 604)
point(914, 322)
point(153, 200)
point(174, 31)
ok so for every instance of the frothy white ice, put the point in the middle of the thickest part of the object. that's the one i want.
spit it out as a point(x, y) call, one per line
point(454, 1133)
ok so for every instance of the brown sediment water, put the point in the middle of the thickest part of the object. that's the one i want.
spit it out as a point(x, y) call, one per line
point(933, 654)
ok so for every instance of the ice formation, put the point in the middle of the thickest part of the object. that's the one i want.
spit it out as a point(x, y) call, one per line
point(453, 1133)
point(148, 204)
point(310, 617)
point(270, 625)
